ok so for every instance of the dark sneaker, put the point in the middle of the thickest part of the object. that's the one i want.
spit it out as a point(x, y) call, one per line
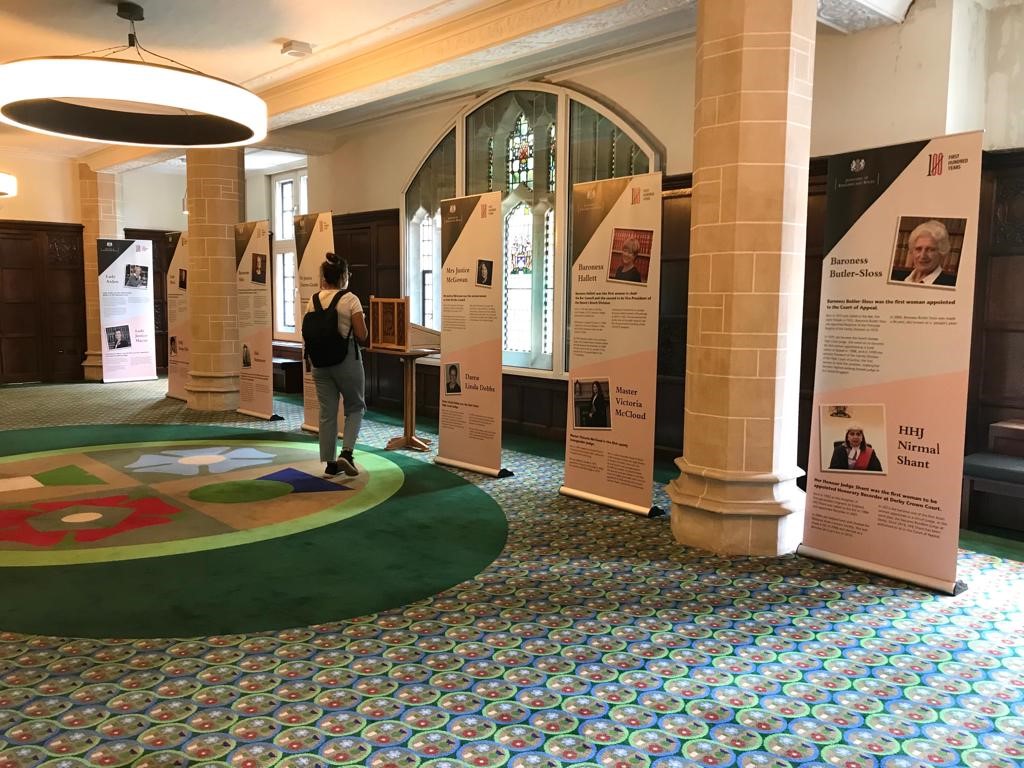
point(332, 468)
point(347, 464)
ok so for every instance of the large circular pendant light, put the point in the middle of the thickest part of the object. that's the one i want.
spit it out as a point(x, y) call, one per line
point(117, 101)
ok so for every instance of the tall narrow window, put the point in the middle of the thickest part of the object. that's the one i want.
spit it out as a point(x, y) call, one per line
point(427, 247)
point(290, 198)
point(434, 182)
point(518, 279)
point(549, 281)
point(284, 308)
point(551, 158)
point(286, 209)
point(504, 138)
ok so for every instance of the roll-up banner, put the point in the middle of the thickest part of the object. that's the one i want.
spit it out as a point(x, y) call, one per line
point(179, 335)
point(255, 319)
point(894, 343)
point(314, 239)
point(126, 309)
point(613, 355)
point(472, 289)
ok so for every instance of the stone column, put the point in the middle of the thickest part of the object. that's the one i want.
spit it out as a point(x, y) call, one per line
point(736, 492)
point(215, 191)
point(97, 195)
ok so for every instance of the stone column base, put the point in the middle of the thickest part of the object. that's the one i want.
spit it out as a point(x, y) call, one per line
point(92, 366)
point(212, 391)
point(736, 513)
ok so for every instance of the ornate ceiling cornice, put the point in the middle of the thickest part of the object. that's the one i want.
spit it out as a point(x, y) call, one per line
point(500, 34)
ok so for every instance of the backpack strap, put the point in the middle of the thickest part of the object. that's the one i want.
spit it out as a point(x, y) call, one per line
point(316, 302)
point(336, 299)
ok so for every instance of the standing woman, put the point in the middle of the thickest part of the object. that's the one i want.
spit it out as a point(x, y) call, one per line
point(346, 378)
point(598, 416)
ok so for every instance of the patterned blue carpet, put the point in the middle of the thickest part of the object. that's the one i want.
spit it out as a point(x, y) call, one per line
point(593, 640)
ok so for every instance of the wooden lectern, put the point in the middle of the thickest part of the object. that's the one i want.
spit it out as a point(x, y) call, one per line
point(391, 333)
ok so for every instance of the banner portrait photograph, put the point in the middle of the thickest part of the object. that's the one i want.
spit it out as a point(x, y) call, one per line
point(927, 251)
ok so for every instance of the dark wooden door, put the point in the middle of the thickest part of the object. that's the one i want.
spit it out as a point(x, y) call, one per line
point(42, 302)
point(21, 316)
point(162, 254)
point(369, 241)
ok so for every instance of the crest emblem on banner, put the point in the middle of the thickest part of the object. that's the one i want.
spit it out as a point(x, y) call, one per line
point(858, 165)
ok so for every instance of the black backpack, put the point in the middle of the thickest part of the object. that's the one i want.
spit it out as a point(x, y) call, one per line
point(324, 345)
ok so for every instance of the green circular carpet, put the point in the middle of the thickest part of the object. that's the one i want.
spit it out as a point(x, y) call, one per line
point(151, 531)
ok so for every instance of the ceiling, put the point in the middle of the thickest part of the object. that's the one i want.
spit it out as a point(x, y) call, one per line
point(368, 58)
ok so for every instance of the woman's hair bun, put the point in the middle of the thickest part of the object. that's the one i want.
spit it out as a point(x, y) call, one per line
point(332, 258)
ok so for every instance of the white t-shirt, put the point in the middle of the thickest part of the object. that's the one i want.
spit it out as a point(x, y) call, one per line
point(348, 307)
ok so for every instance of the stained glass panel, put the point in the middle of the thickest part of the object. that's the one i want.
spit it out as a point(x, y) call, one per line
point(520, 154)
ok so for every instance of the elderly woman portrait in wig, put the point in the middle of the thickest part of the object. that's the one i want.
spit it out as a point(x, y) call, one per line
point(854, 452)
point(928, 247)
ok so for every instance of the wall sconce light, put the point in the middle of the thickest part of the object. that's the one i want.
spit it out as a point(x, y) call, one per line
point(8, 185)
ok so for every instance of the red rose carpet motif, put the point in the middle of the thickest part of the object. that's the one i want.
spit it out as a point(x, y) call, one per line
point(84, 527)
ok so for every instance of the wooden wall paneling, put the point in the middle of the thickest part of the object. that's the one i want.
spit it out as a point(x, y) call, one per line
point(997, 356)
point(22, 335)
point(676, 209)
point(65, 318)
point(369, 242)
point(814, 259)
point(42, 302)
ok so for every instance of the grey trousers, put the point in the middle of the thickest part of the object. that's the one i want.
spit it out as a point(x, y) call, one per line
point(348, 380)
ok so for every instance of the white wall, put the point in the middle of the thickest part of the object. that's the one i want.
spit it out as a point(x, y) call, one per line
point(965, 103)
point(47, 188)
point(882, 86)
point(257, 197)
point(1004, 118)
point(151, 199)
point(375, 161)
point(653, 89)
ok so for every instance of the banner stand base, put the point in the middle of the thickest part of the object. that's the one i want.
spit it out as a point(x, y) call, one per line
point(625, 506)
point(506, 473)
point(275, 417)
point(656, 512)
point(937, 585)
point(472, 467)
point(268, 417)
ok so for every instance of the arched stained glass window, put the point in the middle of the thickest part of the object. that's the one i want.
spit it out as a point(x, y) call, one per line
point(511, 145)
